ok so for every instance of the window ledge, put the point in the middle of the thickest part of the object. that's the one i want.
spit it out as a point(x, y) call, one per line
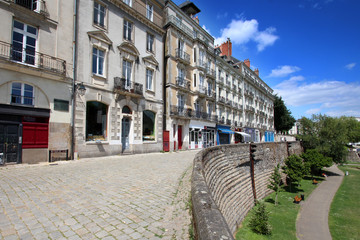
point(102, 28)
point(150, 91)
point(97, 142)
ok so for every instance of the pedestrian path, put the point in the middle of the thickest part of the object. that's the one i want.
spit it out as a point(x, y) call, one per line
point(140, 196)
point(312, 222)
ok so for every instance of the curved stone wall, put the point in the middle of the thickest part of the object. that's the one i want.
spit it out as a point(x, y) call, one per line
point(225, 185)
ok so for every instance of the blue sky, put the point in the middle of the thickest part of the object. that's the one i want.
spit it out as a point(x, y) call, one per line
point(308, 51)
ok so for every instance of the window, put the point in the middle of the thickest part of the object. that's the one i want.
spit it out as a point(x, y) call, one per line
point(61, 105)
point(98, 62)
point(150, 42)
point(148, 126)
point(127, 67)
point(127, 30)
point(210, 107)
point(128, 2)
point(24, 43)
point(149, 11)
point(181, 101)
point(96, 121)
point(99, 14)
point(149, 79)
point(22, 93)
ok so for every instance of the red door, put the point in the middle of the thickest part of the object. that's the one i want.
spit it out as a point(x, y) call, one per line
point(180, 137)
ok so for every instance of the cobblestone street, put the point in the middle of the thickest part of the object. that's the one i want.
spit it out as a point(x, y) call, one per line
point(119, 197)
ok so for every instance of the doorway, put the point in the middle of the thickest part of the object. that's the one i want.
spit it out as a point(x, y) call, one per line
point(180, 142)
point(125, 130)
point(9, 143)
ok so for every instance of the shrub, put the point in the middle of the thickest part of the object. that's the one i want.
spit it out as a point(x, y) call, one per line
point(259, 222)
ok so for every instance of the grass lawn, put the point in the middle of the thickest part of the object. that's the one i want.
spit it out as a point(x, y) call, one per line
point(282, 217)
point(344, 216)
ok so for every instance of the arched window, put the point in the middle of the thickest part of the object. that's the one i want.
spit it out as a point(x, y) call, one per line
point(126, 110)
point(148, 126)
point(22, 93)
point(96, 121)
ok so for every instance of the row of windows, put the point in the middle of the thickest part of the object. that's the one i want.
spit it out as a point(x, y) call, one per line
point(100, 13)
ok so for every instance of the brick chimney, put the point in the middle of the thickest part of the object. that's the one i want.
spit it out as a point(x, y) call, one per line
point(247, 62)
point(256, 71)
point(226, 48)
point(196, 19)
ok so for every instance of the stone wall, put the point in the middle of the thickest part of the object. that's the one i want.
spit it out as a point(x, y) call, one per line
point(225, 185)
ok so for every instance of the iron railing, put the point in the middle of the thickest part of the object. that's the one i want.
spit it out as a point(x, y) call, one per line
point(32, 58)
point(33, 5)
point(182, 55)
point(181, 82)
point(123, 85)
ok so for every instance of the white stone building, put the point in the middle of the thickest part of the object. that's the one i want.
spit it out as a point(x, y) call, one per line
point(120, 63)
point(35, 79)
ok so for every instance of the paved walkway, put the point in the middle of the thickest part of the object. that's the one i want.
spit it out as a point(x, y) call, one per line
point(312, 222)
point(119, 197)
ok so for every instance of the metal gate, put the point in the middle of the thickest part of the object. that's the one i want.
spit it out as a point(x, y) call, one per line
point(10, 143)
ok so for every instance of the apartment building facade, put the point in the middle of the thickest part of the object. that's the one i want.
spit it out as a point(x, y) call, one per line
point(244, 101)
point(119, 58)
point(35, 79)
point(189, 79)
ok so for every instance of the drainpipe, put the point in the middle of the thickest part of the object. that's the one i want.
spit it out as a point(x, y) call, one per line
point(73, 94)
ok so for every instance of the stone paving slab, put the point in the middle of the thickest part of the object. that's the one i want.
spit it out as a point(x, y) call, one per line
point(118, 197)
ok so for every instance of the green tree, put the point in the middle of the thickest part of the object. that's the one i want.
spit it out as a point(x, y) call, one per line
point(329, 135)
point(283, 121)
point(314, 161)
point(274, 181)
point(294, 169)
point(259, 222)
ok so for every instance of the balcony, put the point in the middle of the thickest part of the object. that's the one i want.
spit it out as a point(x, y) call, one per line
point(202, 89)
point(221, 99)
point(210, 72)
point(222, 120)
point(181, 82)
point(229, 102)
point(33, 5)
point(201, 64)
point(180, 111)
point(29, 57)
point(124, 87)
point(228, 122)
point(172, 19)
point(182, 56)
point(210, 93)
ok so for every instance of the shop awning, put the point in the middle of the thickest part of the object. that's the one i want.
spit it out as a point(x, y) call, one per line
point(225, 130)
point(243, 134)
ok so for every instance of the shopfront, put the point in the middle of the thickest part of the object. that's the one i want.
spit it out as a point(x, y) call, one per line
point(201, 134)
point(224, 134)
point(269, 136)
point(241, 137)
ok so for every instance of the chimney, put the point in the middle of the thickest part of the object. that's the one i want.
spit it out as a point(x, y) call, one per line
point(196, 19)
point(247, 62)
point(256, 71)
point(226, 48)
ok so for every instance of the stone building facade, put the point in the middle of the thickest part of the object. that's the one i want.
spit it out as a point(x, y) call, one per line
point(119, 53)
point(189, 79)
point(35, 79)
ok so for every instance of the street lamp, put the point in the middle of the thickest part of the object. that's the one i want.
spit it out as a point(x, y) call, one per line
point(80, 88)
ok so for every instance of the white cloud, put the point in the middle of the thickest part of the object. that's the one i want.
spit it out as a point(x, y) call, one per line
point(334, 98)
point(350, 66)
point(283, 71)
point(243, 31)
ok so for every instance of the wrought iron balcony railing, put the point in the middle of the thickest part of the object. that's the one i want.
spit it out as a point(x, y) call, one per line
point(182, 82)
point(182, 55)
point(32, 58)
point(124, 85)
point(180, 111)
point(33, 5)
